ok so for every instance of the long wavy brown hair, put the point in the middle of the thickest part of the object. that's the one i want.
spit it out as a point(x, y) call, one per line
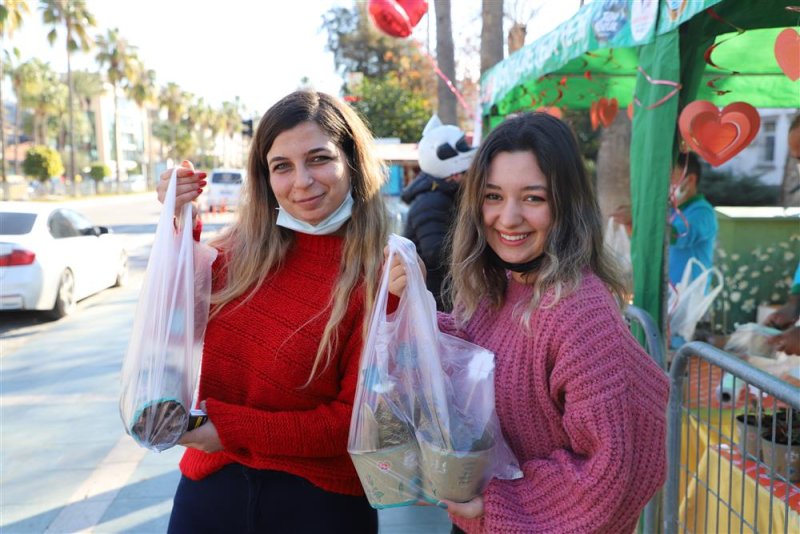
point(574, 243)
point(254, 246)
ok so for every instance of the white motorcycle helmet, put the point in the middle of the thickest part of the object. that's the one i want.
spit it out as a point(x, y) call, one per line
point(443, 149)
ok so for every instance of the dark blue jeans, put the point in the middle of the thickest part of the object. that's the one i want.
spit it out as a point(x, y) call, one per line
point(238, 499)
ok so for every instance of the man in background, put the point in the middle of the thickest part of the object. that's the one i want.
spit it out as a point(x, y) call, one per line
point(444, 156)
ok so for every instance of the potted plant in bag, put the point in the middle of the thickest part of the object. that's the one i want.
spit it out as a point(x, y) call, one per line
point(782, 451)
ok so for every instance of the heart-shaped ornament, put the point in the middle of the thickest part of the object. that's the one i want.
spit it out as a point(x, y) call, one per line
point(593, 116)
point(397, 18)
point(607, 109)
point(787, 52)
point(717, 135)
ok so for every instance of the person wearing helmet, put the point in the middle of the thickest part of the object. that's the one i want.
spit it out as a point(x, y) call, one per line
point(444, 156)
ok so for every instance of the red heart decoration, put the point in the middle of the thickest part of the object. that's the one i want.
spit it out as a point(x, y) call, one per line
point(593, 116)
point(717, 135)
point(415, 9)
point(787, 52)
point(397, 18)
point(553, 111)
point(607, 110)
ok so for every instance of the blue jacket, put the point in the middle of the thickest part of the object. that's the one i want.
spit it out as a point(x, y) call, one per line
point(695, 241)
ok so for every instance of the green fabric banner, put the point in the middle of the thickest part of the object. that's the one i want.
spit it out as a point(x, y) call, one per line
point(651, 162)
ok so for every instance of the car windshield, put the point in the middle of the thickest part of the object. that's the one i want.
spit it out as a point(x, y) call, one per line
point(226, 178)
point(16, 223)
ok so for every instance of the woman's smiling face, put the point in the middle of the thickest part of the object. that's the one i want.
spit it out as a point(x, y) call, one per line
point(308, 173)
point(516, 208)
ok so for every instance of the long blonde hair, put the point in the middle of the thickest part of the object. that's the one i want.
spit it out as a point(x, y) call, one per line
point(254, 246)
point(575, 241)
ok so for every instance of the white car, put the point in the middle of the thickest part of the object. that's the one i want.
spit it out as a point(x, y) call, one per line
point(51, 257)
point(224, 187)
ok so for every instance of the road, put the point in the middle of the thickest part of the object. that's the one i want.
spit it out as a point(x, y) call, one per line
point(66, 463)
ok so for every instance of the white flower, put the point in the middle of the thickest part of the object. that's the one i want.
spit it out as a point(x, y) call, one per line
point(736, 296)
point(749, 305)
point(784, 244)
point(770, 249)
point(742, 268)
point(722, 253)
point(768, 269)
point(726, 306)
point(754, 290)
point(788, 256)
point(743, 284)
point(755, 274)
point(735, 257)
point(775, 297)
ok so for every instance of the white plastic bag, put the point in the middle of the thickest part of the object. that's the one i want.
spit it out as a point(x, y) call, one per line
point(690, 299)
point(618, 244)
point(161, 367)
point(750, 339)
point(424, 424)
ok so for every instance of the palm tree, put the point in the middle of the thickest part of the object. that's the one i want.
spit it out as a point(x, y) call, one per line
point(142, 89)
point(173, 99)
point(11, 14)
point(232, 121)
point(119, 58)
point(22, 76)
point(88, 86)
point(76, 18)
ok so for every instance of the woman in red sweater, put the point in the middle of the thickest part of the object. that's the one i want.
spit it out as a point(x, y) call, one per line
point(582, 406)
point(296, 271)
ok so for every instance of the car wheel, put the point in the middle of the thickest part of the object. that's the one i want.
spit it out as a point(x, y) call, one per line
point(65, 299)
point(122, 273)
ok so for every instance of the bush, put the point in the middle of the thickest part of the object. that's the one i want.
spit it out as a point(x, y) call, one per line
point(723, 189)
point(98, 171)
point(42, 162)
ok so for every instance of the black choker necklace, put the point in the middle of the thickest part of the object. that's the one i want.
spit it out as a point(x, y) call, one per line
point(526, 267)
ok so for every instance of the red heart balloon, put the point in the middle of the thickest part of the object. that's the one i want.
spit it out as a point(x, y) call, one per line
point(593, 116)
point(607, 111)
point(415, 9)
point(717, 135)
point(397, 17)
point(787, 52)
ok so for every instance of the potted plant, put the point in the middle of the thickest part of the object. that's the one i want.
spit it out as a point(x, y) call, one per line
point(749, 428)
point(781, 448)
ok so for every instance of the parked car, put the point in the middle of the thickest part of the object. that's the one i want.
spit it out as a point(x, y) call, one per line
point(224, 187)
point(51, 257)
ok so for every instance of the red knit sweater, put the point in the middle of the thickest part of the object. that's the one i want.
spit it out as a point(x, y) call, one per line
point(582, 406)
point(256, 359)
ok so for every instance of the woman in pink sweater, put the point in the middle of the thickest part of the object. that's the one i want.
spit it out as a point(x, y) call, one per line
point(580, 403)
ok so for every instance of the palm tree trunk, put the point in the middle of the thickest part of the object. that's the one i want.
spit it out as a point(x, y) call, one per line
point(613, 166)
point(117, 147)
point(3, 132)
point(445, 57)
point(491, 33)
point(16, 132)
point(70, 91)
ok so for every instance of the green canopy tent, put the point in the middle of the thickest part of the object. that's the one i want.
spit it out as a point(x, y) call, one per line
point(640, 50)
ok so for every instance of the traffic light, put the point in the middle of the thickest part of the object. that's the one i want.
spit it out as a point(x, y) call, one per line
point(247, 127)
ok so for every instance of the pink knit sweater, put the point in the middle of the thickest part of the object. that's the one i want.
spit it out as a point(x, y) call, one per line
point(583, 408)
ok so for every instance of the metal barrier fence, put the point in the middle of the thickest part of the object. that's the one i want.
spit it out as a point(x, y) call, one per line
point(642, 325)
point(728, 469)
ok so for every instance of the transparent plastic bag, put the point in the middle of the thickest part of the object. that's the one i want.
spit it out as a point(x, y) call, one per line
point(618, 244)
point(161, 366)
point(750, 339)
point(690, 299)
point(424, 424)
